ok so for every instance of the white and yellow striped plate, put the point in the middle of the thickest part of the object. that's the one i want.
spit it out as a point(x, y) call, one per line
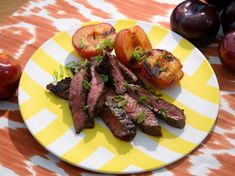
point(49, 119)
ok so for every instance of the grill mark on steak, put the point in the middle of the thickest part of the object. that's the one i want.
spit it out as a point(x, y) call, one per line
point(118, 120)
point(150, 124)
point(61, 88)
point(77, 100)
point(94, 100)
point(109, 66)
point(175, 116)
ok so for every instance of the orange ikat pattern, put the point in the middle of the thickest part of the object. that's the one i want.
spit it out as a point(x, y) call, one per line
point(35, 22)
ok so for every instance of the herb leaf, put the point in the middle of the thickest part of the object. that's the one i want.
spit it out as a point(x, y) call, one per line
point(105, 44)
point(118, 98)
point(104, 77)
point(125, 83)
point(167, 57)
point(85, 108)
point(81, 44)
point(86, 85)
point(57, 75)
point(162, 69)
point(98, 58)
point(142, 99)
point(163, 113)
point(122, 103)
point(75, 67)
point(140, 117)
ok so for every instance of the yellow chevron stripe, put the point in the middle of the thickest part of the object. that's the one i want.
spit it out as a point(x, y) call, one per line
point(124, 24)
point(48, 63)
point(156, 35)
point(90, 23)
point(64, 40)
point(109, 142)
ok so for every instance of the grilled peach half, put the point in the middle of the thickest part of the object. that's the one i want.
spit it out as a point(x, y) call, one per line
point(161, 68)
point(126, 42)
point(90, 40)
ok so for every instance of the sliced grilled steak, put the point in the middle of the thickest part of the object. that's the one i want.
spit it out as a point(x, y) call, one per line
point(96, 91)
point(61, 88)
point(164, 110)
point(118, 120)
point(109, 66)
point(143, 116)
point(128, 74)
point(77, 101)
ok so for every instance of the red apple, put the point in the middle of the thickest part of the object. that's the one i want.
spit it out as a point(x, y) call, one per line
point(227, 51)
point(10, 72)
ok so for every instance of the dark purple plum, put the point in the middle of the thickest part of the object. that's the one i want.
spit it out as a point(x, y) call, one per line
point(219, 4)
point(196, 21)
point(226, 51)
point(227, 17)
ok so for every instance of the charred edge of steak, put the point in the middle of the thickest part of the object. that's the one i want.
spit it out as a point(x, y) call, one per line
point(143, 116)
point(77, 102)
point(128, 74)
point(94, 98)
point(61, 88)
point(118, 120)
point(168, 112)
point(109, 66)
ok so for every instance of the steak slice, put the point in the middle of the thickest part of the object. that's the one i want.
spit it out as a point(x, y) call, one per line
point(118, 120)
point(109, 66)
point(61, 88)
point(143, 116)
point(168, 112)
point(77, 101)
point(128, 74)
point(94, 98)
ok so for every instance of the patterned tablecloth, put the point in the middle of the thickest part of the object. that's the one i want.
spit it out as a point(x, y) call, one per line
point(35, 22)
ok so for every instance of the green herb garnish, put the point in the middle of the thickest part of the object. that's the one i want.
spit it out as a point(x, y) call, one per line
point(77, 66)
point(142, 99)
point(104, 77)
point(140, 117)
point(122, 103)
point(137, 53)
point(162, 69)
point(86, 85)
point(125, 83)
point(57, 75)
point(163, 113)
point(168, 58)
point(85, 108)
point(105, 44)
point(81, 44)
point(118, 98)
point(98, 58)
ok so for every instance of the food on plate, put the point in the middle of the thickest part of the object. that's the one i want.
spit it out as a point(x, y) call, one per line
point(126, 42)
point(90, 40)
point(93, 91)
point(161, 68)
point(142, 115)
point(117, 119)
point(61, 88)
point(109, 66)
point(162, 109)
point(226, 51)
point(10, 72)
point(227, 17)
point(96, 92)
point(196, 21)
point(113, 88)
point(79, 88)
